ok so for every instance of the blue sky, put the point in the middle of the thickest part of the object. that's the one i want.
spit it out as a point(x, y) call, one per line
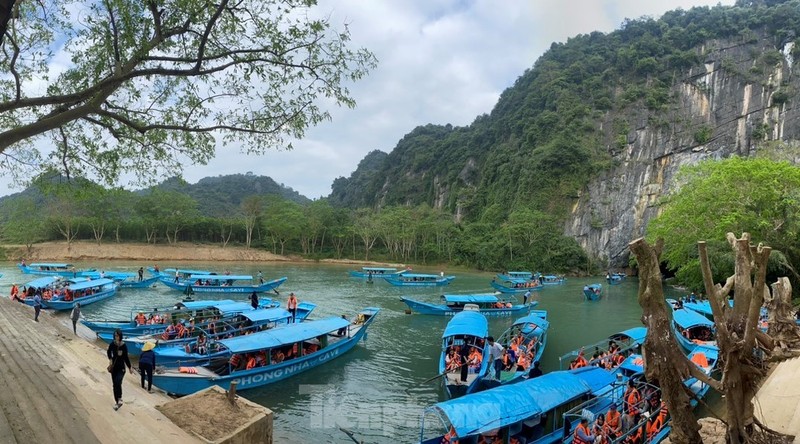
point(440, 62)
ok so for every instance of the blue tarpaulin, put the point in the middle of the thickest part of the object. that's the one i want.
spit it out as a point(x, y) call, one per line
point(467, 323)
point(470, 298)
point(289, 334)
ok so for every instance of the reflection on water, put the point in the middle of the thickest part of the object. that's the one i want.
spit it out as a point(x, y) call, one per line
point(377, 390)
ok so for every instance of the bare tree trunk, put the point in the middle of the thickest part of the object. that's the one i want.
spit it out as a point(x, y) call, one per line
point(664, 360)
point(782, 326)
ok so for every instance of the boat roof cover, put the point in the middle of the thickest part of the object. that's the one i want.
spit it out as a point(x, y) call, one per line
point(42, 281)
point(470, 298)
point(221, 277)
point(509, 404)
point(419, 275)
point(378, 269)
point(98, 274)
point(533, 319)
point(233, 307)
point(514, 280)
point(269, 314)
point(90, 284)
point(467, 323)
point(551, 276)
point(688, 318)
point(289, 334)
point(182, 271)
point(49, 264)
point(636, 333)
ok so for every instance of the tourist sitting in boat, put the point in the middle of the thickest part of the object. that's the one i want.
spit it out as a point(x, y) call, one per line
point(656, 421)
point(475, 359)
point(201, 344)
point(278, 356)
point(140, 319)
point(632, 398)
point(452, 361)
point(236, 362)
point(578, 362)
point(261, 358)
point(612, 428)
point(171, 332)
point(583, 434)
point(523, 361)
point(598, 429)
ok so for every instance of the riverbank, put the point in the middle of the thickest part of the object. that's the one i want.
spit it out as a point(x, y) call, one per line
point(87, 251)
point(56, 388)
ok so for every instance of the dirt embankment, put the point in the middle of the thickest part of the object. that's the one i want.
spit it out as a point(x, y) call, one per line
point(86, 250)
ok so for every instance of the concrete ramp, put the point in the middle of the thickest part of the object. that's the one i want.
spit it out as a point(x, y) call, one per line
point(777, 403)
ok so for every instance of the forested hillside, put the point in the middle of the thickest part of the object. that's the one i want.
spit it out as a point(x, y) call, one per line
point(592, 134)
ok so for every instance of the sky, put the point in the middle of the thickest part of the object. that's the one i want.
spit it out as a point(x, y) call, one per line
point(439, 62)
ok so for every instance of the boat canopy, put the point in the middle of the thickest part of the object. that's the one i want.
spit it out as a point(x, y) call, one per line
point(50, 264)
point(289, 334)
point(108, 274)
point(233, 307)
point(686, 318)
point(270, 314)
point(173, 270)
point(636, 334)
point(90, 284)
point(221, 277)
point(533, 319)
point(42, 282)
point(378, 269)
point(469, 298)
point(551, 277)
point(467, 323)
point(515, 280)
point(510, 404)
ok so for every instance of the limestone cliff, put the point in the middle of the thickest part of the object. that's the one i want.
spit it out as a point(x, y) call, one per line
point(737, 100)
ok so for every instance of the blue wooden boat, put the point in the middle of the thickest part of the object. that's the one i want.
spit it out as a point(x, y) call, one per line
point(514, 285)
point(610, 351)
point(691, 328)
point(488, 304)
point(40, 285)
point(123, 279)
point(615, 278)
point(159, 317)
point(50, 269)
point(593, 292)
point(375, 272)
point(551, 279)
point(524, 275)
point(418, 280)
point(529, 409)
point(316, 342)
point(526, 337)
point(228, 326)
point(218, 283)
point(86, 292)
point(464, 339)
point(136, 283)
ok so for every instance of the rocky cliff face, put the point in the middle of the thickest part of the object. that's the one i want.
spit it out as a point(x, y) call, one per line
point(742, 96)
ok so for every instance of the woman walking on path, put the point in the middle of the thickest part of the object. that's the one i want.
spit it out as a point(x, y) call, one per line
point(37, 306)
point(147, 362)
point(75, 315)
point(117, 361)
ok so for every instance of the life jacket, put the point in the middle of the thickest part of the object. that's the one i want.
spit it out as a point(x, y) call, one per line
point(654, 425)
point(140, 319)
point(700, 359)
point(450, 437)
point(632, 398)
point(635, 437)
point(235, 359)
point(577, 439)
point(189, 370)
point(579, 362)
point(251, 363)
point(14, 290)
point(522, 362)
point(612, 422)
point(169, 333)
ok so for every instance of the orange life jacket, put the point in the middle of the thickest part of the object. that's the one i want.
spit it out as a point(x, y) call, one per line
point(612, 422)
point(450, 437)
point(580, 361)
point(632, 398)
point(235, 359)
point(140, 319)
point(635, 437)
point(251, 363)
point(577, 439)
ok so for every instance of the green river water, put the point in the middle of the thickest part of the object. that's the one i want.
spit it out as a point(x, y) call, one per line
point(377, 390)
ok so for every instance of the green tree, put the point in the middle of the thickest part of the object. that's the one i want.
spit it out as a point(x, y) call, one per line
point(365, 227)
point(251, 209)
point(759, 196)
point(284, 221)
point(179, 211)
point(153, 82)
point(25, 223)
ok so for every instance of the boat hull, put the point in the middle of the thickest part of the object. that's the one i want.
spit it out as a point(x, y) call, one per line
point(185, 384)
point(443, 310)
point(244, 289)
point(510, 290)
point(144, 283)
point(396, 281)
point(84, 301)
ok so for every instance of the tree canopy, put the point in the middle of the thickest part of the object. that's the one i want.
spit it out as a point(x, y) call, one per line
point(757, 195)
point(119, 86)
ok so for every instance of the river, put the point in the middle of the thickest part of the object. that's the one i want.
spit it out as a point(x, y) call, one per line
point(377, 390)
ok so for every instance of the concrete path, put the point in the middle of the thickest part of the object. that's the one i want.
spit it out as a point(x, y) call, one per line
point(36, 400)
point(54, 387)
point(777, 403)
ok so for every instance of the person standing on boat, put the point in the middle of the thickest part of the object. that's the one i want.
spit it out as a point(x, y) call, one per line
point(177, 276)
point(141, 274)
point(496, 356)
point(525, 297)
point(260, 278)
point(75, 315)
point(117, 361)
point(37, 306)
point(291, 305)
point(254, 300)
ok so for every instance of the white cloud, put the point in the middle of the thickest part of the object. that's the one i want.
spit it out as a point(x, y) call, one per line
point(442, 61)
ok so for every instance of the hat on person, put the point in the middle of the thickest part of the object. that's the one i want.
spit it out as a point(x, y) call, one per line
point(148, 346)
